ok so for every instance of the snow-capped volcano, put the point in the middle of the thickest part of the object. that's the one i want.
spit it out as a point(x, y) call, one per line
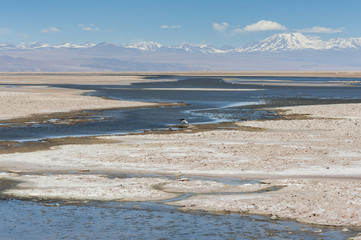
point(298, 41)
point(285, 41)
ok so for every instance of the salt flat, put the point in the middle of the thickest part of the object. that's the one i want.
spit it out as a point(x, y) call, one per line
point(312, 152)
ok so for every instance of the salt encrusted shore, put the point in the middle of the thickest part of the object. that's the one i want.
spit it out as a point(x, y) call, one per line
point(328, 201)
point(26, 101)
point(100, 187)
point(313, 154)
point(316, 159)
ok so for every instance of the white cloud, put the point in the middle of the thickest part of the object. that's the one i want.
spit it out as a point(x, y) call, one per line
point(50, 30)
point(318, 29)
point(88, 27)
point(170, 26)
point(220, 27)
point(262, 25)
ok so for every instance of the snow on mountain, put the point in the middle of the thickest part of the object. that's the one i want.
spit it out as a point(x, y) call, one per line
point(276, 43)
point(145, 46)
point(356, 41)
point(183, 47)
point(280, 52)
point(38, 45)
point(7, 46)
point(35, 45)
point(298, 41)
point(285, 42)
point(72, 45)
point(198, 48)
point(21, 46)
point(342, 43)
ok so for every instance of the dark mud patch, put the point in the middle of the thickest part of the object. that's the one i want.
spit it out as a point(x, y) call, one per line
point(45, 144)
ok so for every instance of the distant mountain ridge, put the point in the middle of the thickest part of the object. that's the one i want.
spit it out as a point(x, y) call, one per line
point(275, 43)
point(280, 52)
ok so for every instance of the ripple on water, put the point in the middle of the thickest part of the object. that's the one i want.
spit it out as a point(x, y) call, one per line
point(36, 220)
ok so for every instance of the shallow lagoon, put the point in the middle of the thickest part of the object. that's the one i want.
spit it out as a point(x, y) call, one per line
point(202, 106)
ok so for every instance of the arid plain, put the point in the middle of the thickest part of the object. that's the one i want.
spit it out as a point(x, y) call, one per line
point(309, 159)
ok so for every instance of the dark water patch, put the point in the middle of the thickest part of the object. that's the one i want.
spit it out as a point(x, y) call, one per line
point(118, 121)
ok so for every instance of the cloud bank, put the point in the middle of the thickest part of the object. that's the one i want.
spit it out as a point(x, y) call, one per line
point(318, 29)
point(262, 25)
point(170, 26)
point(220, 27)
point(88, 27)
point(50, 30)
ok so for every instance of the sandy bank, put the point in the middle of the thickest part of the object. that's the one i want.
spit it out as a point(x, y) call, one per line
point(84, 187)
point(333, 202)
point(73, 78)
point(25, 101)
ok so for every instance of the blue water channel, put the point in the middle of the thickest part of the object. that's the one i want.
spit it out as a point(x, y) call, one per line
point(142, 220)
point(203, 106)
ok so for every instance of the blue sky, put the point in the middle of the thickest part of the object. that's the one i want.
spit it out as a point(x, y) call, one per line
point(215, 22)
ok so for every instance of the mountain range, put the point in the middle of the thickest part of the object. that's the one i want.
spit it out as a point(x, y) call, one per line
point(286, 51)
